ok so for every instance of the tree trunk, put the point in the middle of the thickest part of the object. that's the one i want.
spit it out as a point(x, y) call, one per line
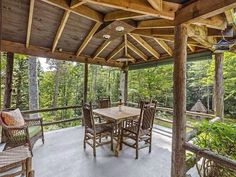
point(179, 94)
point(94, 82)
point(33, 85)
point(124, 85)
point(18, 85)
point(85, 82)
point(219, 88)
point(8, 81)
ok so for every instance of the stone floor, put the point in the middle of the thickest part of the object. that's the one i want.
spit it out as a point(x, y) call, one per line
point(63, 155)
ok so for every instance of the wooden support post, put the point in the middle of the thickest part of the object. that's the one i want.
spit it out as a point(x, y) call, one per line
point(124, 85)
point(218, 86)
point(8, 81)
point(85, 82)
point(179, 93)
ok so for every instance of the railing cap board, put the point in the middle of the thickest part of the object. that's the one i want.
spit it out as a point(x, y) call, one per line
point(222, 160)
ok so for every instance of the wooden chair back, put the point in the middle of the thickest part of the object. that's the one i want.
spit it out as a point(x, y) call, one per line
point(147, 115)
point(88, 115)
point(104, 102)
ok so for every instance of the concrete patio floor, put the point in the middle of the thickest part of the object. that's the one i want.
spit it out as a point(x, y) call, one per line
point(63, 155)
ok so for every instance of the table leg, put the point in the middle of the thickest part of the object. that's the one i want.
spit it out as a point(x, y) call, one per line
point(117, 149)
point(28, 166)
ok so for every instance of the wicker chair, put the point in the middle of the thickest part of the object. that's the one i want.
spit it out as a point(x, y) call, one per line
point(23, 135)
point(93, 131)
point(140, 132)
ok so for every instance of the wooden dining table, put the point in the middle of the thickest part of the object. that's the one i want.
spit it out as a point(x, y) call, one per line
point(118, 116)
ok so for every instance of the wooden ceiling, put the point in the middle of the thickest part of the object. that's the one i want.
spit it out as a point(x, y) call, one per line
point(73, 29)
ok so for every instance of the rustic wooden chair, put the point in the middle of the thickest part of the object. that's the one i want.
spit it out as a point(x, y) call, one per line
point(27, 134)
point(140, 132)
point(93, 131)
point(103, 102)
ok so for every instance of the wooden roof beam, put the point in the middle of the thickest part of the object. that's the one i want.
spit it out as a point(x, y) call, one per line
point(88, 38)
point(199, 34)
point(101, 48)
point(156, 4)
point(81, 10)
point(30, 19)
point(145, 45)
point(157, 23)
point(137, 51)
point(202, 9)
point(154, 32)
point(76, 3)
point(164, 46)
point(115, 51)
point(121, 15)
point(230, 16)
point(142, 7)
point(14, 47)
point(216, 22)
point(60, 29)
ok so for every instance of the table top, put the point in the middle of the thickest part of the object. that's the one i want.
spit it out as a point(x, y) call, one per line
point(116, 115)
point(14, 155)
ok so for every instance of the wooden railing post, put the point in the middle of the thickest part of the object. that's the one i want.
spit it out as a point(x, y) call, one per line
point(218, 86)
point(85, 94)
point(179, 93)
point(85, 82)
point(124, 85)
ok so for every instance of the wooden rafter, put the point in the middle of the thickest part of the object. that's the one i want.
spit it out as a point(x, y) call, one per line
point(101, 48)
point(157, 23)
point(46, 52)
point(76, 3)
point(30, 19)
point(203, 9)
point(121, 15)
point(228, 32)
point(145, 45)
point(156, 4)
point(191, 47)
point(60, 29)
point(81, 10)
point(140, 6)
point(115, 51)
point(88, 38)
point(164, 46)
point(136, 50)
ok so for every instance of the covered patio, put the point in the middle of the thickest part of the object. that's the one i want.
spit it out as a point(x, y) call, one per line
point(128, 35)
point(63, 155)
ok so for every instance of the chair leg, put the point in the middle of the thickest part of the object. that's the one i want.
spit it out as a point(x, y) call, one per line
point(94, 146)
point(112, 140)
point(121, 140)
point(136, 149)
point(84, 141)
point(150, 143)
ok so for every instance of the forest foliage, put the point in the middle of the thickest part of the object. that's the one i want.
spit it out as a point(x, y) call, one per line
point(61, 84)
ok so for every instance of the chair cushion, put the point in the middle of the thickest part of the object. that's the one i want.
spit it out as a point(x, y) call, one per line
point(13, 118)
point(34, 130)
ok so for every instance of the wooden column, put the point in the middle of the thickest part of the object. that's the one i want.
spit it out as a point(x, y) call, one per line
point(179, 94)
point(218, 86)
point(124, 85)
point(85, 82)
point(8, 81)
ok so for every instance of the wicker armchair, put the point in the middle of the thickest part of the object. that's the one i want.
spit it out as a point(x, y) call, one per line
point(27, 134)
point(140, 132)
point(93, 131)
